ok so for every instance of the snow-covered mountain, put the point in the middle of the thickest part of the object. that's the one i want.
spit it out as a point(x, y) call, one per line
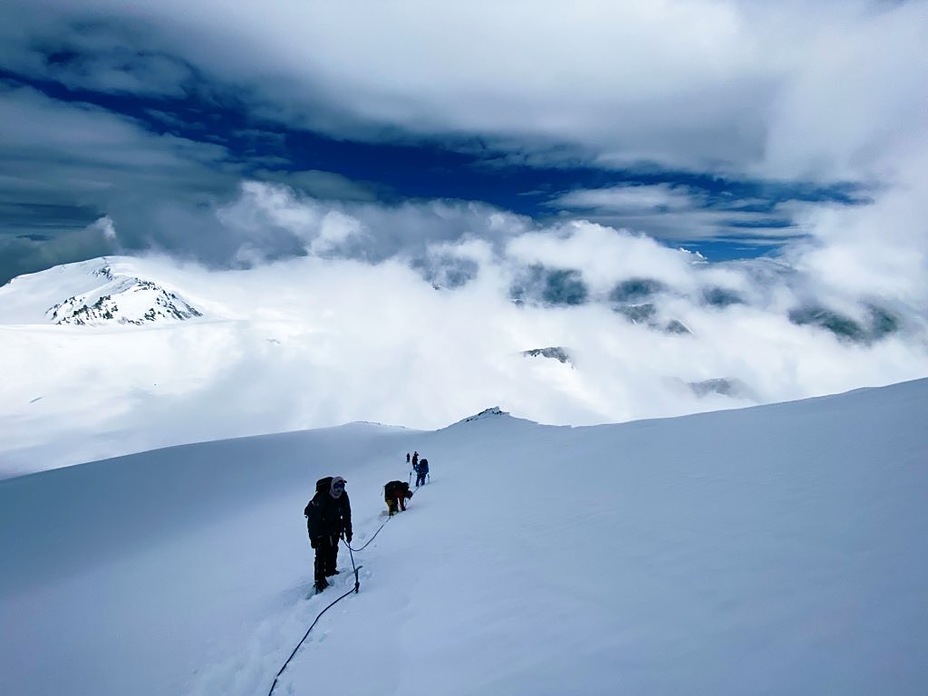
point(99, 292)
point(125, 301)
point(770, 550)
point(122, 354)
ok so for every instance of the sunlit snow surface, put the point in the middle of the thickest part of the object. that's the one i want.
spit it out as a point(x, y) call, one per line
point(773, 550)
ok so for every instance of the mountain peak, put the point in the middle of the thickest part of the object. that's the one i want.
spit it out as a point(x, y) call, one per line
point(122, 299)
point(484, 414)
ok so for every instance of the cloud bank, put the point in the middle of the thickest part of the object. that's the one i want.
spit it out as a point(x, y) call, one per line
point(425, 335)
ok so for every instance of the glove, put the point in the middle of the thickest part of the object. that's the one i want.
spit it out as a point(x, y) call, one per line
point(348, 537)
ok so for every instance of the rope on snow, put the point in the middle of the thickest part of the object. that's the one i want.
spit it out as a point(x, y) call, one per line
point(353, 590)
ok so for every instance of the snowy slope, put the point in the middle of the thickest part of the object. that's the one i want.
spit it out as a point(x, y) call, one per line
point(772, 550)
point(314, 343)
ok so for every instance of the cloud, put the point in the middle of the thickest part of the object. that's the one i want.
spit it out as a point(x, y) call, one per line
point(631, 199)
point(22, 254)
point(68, 164)
point(879, 250)
point(858, 102)
point(267, 215)
point(321, 185)
point(88, 52)
point(419, 314)
point(675, 212)
point(320, 340)
point(839, 262)
point(452, 243)
point(603, 255)
point(785, 90)
point(782, 91)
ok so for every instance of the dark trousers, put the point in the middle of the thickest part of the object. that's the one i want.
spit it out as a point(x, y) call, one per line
point(420, 478)
point(396, 503)
point(326, 557)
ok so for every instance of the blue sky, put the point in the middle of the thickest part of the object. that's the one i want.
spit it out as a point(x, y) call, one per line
point(715, 126)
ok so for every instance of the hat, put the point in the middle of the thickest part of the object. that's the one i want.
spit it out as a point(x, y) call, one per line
point(337, 487)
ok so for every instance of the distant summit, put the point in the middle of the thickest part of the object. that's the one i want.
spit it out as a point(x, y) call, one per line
point(483, 415)
point(98, 292)
point(122, 299)
point(94, 293)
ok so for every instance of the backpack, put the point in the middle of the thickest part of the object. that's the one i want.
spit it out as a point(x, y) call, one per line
point(322, 484)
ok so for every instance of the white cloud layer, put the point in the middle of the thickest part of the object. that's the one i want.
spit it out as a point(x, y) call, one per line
point(324, 339)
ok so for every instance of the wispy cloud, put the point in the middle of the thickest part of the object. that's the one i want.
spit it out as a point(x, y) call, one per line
point(674, 212)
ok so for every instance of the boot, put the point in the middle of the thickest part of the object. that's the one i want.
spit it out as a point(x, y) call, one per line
point(321, 584)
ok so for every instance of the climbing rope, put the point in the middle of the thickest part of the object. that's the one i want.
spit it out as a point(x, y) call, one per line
point(369, 540)
point(353, 590)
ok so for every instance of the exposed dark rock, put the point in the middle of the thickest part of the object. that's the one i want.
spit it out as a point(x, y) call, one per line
point(725, 387)
point(560, 287)
point(156, 304)
point(449, 271)
point(836, 323)
point(721, 297)
point(638, 314)
point(882, 323)
point(635, 290)
point(564, 288)
point(676, 327)
point(879, 323)
point(486, 413)
point(554, 352)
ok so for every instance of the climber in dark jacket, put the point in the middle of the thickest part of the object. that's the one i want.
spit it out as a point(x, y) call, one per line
point(328, 517)
point(395, 494)
point(421, 472)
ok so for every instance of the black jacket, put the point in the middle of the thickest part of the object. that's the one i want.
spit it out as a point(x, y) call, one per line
point(395, 489)
point(328, 516)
